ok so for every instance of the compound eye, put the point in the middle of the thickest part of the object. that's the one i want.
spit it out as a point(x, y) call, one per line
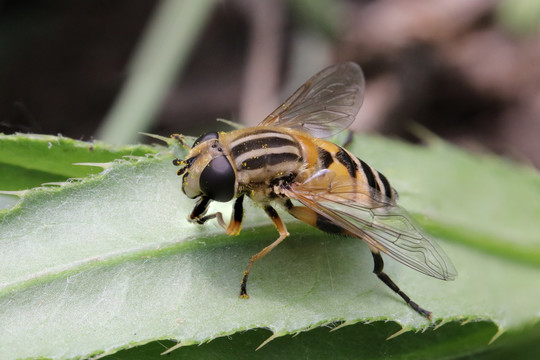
point(217, 181)
point(205, 137)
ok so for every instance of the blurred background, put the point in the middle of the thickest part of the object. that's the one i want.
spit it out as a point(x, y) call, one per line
point(468, 71)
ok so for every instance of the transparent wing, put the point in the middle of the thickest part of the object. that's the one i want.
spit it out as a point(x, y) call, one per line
point(325, 105)
point(383, 225)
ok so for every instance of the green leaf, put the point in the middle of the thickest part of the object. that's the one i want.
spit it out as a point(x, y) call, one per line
point(109, 262)
point(28, 161)
point(358, 341)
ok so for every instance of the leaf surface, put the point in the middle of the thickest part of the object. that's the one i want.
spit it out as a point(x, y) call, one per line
point(109, 262)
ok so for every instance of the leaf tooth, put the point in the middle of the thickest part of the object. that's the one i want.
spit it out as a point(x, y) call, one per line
point(342, 325)
point(54, 183)
point(102, 355)
point(62, 183)
point(499, 332)
point(158, 137)
point(440, 323)
point(179, 345)
point(403, 330)
point(466, 320)
point(104, 166)
point(19, 193)
point(272, 337)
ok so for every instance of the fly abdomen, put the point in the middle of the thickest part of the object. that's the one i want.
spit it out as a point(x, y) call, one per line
point(343, 163)
point(376, 181)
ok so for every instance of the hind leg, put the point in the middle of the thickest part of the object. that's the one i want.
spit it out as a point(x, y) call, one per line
point(378, 270)
point(312, 218)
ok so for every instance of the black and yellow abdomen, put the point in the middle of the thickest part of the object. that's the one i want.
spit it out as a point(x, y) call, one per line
point(343, 163)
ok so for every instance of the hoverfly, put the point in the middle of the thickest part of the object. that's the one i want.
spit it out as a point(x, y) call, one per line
point(284, 159)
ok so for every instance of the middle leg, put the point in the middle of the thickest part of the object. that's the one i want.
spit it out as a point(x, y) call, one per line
point(283, 233)
point(235, 224)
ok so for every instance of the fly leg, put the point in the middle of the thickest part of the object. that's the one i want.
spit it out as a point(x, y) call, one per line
point(309, 216)
point(272, 213)
point(378, 270)
point(197, 215)
point(236, 218)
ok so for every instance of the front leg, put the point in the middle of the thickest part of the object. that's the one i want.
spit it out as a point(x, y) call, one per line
point(197, 215)
point(235, 224)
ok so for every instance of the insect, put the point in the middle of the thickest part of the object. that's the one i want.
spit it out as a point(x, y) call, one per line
point(284, 159)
